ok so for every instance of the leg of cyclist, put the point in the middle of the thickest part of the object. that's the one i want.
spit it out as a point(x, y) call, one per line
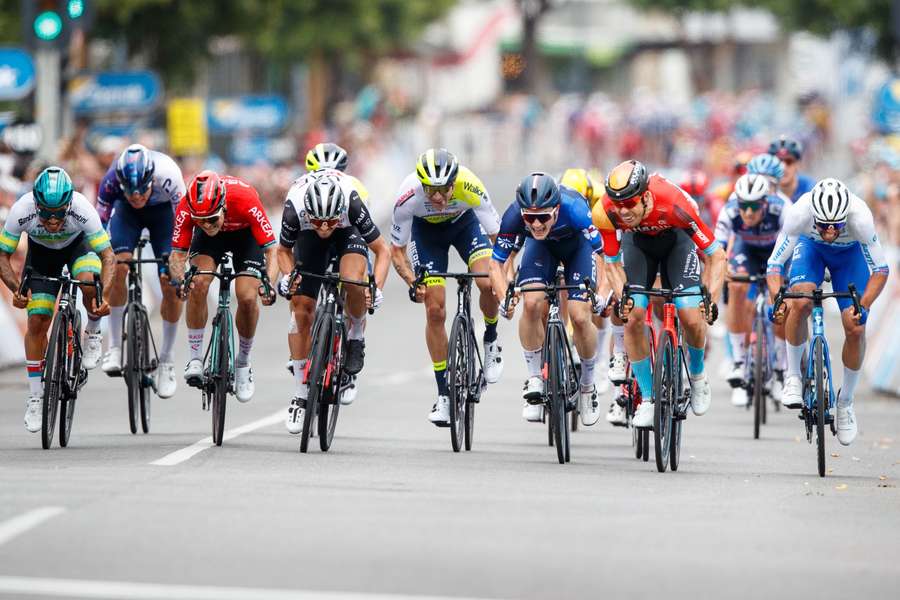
point(196, 315)
point(84, 268)
point(124, 233)
point(247, 256)
point(354, 266)
point(740, 321)
point(159, 220)
point(538, 267)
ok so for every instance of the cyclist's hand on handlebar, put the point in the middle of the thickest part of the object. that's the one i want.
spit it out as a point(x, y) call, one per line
point(267, 293)
point(507, 310)
point(710, 311)
point(624, 307)
point(417, 292)
point(101, 307)
point(284, 286)
point(21, 301)
point(379, 298)
point(777, 316)
point(860, 317)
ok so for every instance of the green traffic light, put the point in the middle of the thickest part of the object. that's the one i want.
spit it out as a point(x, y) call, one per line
point(75, 8)
point(47, 26)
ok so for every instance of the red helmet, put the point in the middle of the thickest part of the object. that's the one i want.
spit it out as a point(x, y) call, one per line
point(694, 182)
point(206, 194)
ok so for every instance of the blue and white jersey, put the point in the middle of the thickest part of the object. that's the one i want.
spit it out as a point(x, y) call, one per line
point(761, 235)
point(805, 183)
point(574, 219)
point(168, 186)
point(799, 223)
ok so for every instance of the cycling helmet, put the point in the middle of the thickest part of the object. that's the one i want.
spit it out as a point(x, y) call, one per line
point(326, 156)
point(627, 180)
point(694, 182)
point(766, 164)
point(324, 198)
point(53, 189)
point(134, 169)
point(784, 147)
point(437, 167)
point(206, 194)
point(740, 163)
point(536, 191)
point(751, 187)
point(830, 201)
point(580, 181)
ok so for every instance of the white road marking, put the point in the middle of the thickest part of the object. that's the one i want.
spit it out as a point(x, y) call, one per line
point(82, 588)
point(179, 456)
point(19, 525)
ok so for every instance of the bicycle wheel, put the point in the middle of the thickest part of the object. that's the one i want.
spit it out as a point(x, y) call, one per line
point(821, 402)
point(220, 375)
point(319, 354)
point(54, 374)
point(132, 367)
point(759, 375)
point(476, 377)
point(556, 382)
point(664, 394)
point(70, 390)
point(329, 401)
point(458, 381)
point(144, 354)
point(677, 421)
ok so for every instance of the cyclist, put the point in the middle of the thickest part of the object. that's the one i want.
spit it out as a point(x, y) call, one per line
point(557, 226)
point(444, 204)
point(141, 190)
point(63, 230)
point(753, 217)
point(324, 216)
point(221, 213)
point(829, 227)
point(772, 167)
point(793, 183)
point(659, 221)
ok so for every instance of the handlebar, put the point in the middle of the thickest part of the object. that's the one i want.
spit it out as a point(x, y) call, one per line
point(817, 296)
point(669, 296)
point(28, 276)
point(227, 278)
point(335, 278)
point(745, 278)
point(549, 289)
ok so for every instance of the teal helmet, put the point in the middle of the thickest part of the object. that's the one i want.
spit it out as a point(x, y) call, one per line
point(53, 189)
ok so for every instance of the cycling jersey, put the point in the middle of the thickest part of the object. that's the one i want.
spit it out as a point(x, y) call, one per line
point(761, 235)
point(243, 210)
point(82, 219)
point(799, 223)
point(804, 184)
point(573, 219)
point(355, 214)
point(468, 194)
point(167, 188)
point(673, 208)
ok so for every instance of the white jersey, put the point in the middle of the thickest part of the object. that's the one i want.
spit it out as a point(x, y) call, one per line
point(82, 218)
point(298, 191)
point(168, 186)
point(468, 194)
point(799, 222)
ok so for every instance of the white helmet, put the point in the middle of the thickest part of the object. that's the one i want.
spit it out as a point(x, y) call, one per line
point(324, 198)
point(751, 187)
point(830, 201)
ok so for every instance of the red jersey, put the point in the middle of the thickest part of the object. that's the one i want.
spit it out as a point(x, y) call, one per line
point(673, 208)
point(243, 210)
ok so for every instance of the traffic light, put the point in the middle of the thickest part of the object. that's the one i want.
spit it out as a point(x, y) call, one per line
point(75, 9)
point(49, 22)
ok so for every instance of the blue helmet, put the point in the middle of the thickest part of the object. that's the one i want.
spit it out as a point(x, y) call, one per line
point(766, 164)
point(134, 169)
point(53, 189)
point(538, 190)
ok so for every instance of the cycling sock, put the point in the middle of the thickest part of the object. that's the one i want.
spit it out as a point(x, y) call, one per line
point(490, 329)
point(729, 349)
point(644, 376)
point(168, 340)
point(301, 389)
point(618, 334)
point(602, 345)
point(587, 371)
point(695, 361)
point(195, 343)
point(780, 353)
point(440, 376)
point(848, 386)
point(533, 361)
point(794, 358)
point(93, 326)
point(357, 327)
point(115, 326)
point(35, 369)
point(244, 347)
point(738, 346)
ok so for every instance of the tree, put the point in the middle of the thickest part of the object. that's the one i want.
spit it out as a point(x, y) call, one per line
point(532, 13)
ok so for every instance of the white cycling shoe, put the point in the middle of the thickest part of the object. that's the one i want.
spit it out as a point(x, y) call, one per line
point(193, 371)
point(616, 415)
point(294, 420)
point(243, 383)
point(534, 389)
point(617, 368)
point(112, 361)
point(701, 394)
point(643, 416)
point(165, 380)
point(93, 349)
point(739, 397)
point(349, 391)
point(792, 394)
point(493, 361)
point(533, 413)
point(736, 374)
point(33, 414)
point(846, 424)
point(776, 387)
point(589, 406)
point(440, 412)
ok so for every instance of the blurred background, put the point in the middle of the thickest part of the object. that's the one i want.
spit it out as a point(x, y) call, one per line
point(247, 86)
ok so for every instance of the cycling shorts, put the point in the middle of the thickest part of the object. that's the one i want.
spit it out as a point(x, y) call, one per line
point(77, 256)
point(246, 255)
point(540, 259)
point(672, 254)
point(847, 265)
point(127, 223)
point(430, 243)
point(749, 260)
point(313, 254)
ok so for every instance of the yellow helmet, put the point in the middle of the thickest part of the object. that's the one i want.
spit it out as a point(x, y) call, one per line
point(580, 181)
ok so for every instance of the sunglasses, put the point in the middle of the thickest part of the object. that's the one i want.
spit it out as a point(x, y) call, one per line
point(752, 206)
point(542, 217)
point(628, 202)
point(822, 226)
point(441, 189)
point(141, 190)
point(329, 223)
point(47, 214)
point(209, 219)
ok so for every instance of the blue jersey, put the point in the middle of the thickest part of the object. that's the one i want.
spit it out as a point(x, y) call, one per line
point(168, 186)
point(574, 220)
point(805, 183)
point(761, 235)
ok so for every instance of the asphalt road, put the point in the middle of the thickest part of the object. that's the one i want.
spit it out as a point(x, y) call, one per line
point(391, 510)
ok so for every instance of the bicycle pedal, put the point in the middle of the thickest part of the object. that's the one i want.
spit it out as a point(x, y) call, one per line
point(622, 401)
point(116, 373)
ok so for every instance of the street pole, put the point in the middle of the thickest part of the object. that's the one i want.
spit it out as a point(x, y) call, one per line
point(47, 100)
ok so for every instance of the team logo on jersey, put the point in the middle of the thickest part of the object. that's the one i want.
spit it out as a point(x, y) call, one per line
point(402, 199)
point(260, 217)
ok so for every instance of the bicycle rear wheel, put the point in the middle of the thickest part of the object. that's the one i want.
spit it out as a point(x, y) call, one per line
point(329, 405)
point(132, 367)
point(54, 374)
point(664, 394)
point(821, 402)
point(220, 376)
point(556, 382)
point(759, 375)
point(319, 355)
point(458, 381)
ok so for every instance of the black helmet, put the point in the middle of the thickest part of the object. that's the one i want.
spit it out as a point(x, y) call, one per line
point(627, 180)
point(538, 190)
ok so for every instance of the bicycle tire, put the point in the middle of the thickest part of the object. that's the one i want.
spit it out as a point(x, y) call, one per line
point(558, 395)
point(677, 423)
point(54, 370)
point(329, 405)
point(221, 376)
point(458, 383)
point(759, 374)
point(70, 392)
point(145, 395)
point(821, 402)
point(318, 355)
point(132, 366)
point(663, 402)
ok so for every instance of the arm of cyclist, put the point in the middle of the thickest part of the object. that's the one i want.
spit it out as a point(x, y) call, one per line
point(797, 220)
point(862, 227)
point(11, 281)
point(273, 268)
point(500, 285)
point(401, 231)
point(107, 271)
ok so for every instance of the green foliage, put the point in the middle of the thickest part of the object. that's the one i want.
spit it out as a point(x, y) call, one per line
point(10, 22)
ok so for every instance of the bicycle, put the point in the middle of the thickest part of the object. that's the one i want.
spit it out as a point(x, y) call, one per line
point(137, 342)
point(818, 391)
point(325, 368)
point(670, 373)
point(218, 370)
point(465, 367)
point(64, 374)
point(561, 386)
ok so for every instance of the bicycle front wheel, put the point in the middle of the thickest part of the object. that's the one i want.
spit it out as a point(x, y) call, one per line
point(821, 402)
point(329, 405)
point(760, 357)
point(132, 367)
point(73, 376)
point(319, 355)
point(665, 397)
point(557, 380)
point(144, 355)
point(221, 376)
point(54, 376)
point(458, 381)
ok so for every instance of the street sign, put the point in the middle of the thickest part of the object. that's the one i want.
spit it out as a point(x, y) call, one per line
point(22, 138)
point(253, 150)
point(261, 114)
point(16, 74)
point(115, 92)
point(186, 120)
